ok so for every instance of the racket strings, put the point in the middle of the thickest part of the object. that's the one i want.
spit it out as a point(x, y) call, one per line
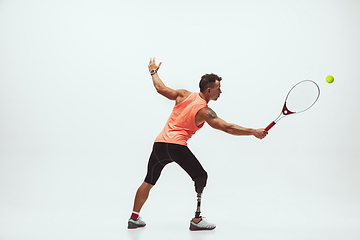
point(302, 96)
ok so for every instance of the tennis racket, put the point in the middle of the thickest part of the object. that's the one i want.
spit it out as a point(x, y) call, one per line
point(300, 98)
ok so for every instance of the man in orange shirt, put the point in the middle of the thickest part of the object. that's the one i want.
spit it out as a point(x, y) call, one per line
point(189, 115)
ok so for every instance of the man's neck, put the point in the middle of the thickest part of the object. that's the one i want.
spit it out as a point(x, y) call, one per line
point(204, 97)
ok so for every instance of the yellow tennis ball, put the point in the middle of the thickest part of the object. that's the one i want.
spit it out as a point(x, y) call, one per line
point(330, 79)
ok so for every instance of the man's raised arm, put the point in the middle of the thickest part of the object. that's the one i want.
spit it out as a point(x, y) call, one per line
point(158, 84)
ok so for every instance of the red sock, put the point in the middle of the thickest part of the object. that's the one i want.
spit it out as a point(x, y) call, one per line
point(135, 215)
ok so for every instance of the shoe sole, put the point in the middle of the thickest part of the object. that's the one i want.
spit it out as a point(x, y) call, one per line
point(134, 226)
point(201, 229)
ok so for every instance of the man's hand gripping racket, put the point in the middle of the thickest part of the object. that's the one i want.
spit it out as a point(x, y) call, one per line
point(300, 98)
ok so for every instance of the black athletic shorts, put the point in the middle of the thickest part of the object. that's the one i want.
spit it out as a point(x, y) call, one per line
point(164, 153)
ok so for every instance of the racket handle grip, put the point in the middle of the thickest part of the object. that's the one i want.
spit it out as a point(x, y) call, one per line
point(270, 126)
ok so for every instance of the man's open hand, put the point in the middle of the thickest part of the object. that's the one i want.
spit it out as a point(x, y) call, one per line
point(152, 65)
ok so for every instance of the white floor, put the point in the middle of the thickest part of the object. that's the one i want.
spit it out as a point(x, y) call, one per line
point(106, 223)
point(255, 204)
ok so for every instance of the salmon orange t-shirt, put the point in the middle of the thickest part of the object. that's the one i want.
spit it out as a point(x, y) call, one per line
point(181, 124)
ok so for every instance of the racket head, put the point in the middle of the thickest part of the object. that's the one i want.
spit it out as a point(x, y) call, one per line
point(301, 97)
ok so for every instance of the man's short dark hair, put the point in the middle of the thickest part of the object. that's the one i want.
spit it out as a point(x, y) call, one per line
point(208, 81)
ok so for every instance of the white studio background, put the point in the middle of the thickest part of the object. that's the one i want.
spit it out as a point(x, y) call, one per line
point(78, 115)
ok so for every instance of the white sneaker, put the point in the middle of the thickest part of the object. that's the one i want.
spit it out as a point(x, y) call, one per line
point(202, 225)
point(136, 223)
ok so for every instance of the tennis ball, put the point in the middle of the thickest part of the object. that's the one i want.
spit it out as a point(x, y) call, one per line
point(330, 79)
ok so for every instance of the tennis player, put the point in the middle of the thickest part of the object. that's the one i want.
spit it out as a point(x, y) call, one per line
point(189, 114)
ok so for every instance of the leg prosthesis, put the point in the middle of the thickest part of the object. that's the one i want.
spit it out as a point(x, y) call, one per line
point(200, 184)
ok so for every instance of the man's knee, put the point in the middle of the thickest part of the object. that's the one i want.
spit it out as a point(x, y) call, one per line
point(200, 183)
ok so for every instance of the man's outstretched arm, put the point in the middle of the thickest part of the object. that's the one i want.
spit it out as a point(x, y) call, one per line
point(208, 115)
point(159, 85)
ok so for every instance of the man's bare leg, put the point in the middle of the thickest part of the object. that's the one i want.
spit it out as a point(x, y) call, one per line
point(141, 196)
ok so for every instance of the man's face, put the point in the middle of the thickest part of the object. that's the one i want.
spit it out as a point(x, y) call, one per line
point(215, 91)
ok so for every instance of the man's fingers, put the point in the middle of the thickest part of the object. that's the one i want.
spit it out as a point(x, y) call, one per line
point(265, 133)
point(152, 62)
